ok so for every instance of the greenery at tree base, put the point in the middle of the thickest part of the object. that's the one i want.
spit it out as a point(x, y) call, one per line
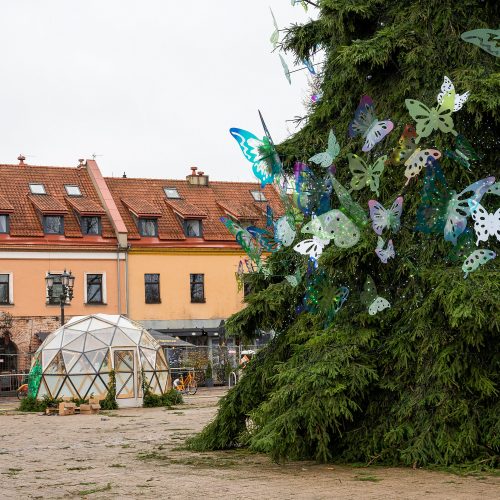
point(150, 400)
point(417, 383)
point(109, 402)
point(32, 404)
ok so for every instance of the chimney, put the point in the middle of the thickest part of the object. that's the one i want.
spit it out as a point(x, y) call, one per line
point(81, 163)
point(124, 176)
point(197, 179)
point(21, 159)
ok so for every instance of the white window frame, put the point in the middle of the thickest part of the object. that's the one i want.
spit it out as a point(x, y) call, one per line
point(258, 196)
point(104, 288)
point(11, 288)
point(66, 186)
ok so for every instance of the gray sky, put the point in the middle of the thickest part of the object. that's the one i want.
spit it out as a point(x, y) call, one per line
point(151, 85)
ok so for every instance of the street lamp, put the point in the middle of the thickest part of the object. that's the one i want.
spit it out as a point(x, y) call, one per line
point(66, 293)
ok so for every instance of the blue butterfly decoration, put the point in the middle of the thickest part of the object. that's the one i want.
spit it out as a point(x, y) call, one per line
point(260, 153)
point(312, 193)
point(309, 65)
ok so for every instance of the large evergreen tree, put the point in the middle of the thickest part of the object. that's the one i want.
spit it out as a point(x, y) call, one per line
point(416, 383)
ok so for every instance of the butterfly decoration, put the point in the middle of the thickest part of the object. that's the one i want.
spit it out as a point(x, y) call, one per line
point(417, 161)
point(365, 123)
point(386, 219)
point(260, 153)
point(370, 298)
point(294, 279)
point(269, 216)
point(465, 246)
point(311, 192)
point(264, 238)
point(333, 225)
point(477, 258)
point(284, 232)
point(313, 248)
point(494, 189)
point(441, 208)
point(448, 98)
point(304, 4)
point(326, 158)
point(486, 39)
point(485, 224)
point(406, 146)
point(352, 209)
point(330, 300)
point(244, 239)
point(250, 266)
point(286, 70)
point(429, 119)
point(276, 33)
point(464, 152)
point(365, 175)
point(309, 65)
point(384, 254)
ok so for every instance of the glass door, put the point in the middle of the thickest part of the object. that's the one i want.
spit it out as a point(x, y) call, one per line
point(125, 374)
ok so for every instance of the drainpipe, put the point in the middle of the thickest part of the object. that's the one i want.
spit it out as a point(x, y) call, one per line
point(118, 273)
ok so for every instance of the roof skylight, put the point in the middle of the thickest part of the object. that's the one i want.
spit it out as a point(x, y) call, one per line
point(171, 192)
point(258, 196)
point(37, 189)
point(73, 190)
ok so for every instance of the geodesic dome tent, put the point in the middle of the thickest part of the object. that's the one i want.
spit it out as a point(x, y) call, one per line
point(76, 359)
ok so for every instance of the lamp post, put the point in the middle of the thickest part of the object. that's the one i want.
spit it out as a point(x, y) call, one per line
point(67, 284)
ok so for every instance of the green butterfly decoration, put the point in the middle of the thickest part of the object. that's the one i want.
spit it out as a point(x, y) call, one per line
point(349, 206)
point(365, 175)
point(276, 33)
point(477, 258)
point(464, 152)
point(486, 39)
point(286, 70)
point(370, 298)
point(430, 119)
point(326, 158)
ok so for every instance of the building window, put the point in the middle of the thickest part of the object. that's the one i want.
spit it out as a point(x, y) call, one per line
point(192, 228)
point(258, 195)
point(55, 296)
point(152, 288)
point(171, 193)
point(73, 190)
point(4, 289)
point(37, 189)
point(53, 224)
point(197, 287)
point(91, 225)
point(4, 223)
point(94, 289)
point(148, 227)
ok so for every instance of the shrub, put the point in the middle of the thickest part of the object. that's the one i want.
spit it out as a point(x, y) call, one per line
point(109, 402)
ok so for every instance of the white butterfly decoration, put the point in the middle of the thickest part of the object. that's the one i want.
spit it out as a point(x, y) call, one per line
point(417, 161)
point(458, 209)
point(383, 218)
point(370, 298)
point(326, 158)
point(284, 231)
point(384, 254)
point(448, 97)
point(365, 175)
point(335, 225)
point(365, 123)
point(485, 224)
point(477, 258)
point(495, 189)
point(313, 248)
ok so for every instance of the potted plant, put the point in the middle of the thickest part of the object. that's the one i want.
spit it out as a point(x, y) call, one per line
point(209, 381)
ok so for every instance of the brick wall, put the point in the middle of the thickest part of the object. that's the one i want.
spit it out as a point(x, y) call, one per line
point(23, 334)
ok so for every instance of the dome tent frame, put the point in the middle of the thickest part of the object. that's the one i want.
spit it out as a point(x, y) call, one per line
point(77, 358)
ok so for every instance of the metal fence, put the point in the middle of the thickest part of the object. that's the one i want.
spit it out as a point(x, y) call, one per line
point(10, 382)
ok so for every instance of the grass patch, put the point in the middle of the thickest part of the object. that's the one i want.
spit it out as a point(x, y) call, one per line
point(95, 490)
point(117, 465)
point(80, 468)
point(151, 455)
point(12, 472)
point(87, 483)
point(372, 479)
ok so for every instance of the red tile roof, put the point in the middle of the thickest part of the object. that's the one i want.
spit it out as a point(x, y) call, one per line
point(5, 206)
point(85, 206)
point(194, 200)
point(140, 207)
point(239, 211)
point(25, 220)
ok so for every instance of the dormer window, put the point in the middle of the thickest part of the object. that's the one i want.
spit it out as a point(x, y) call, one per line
point(171, 193)
point(148, 227)
point(37, 189)
point(4, 223)
point(53, 224)
point(192, 228)
point(258, 195)
point(72, 190)
point(91, 225)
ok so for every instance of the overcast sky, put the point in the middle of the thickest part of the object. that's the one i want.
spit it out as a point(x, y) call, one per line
point(149, 86)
